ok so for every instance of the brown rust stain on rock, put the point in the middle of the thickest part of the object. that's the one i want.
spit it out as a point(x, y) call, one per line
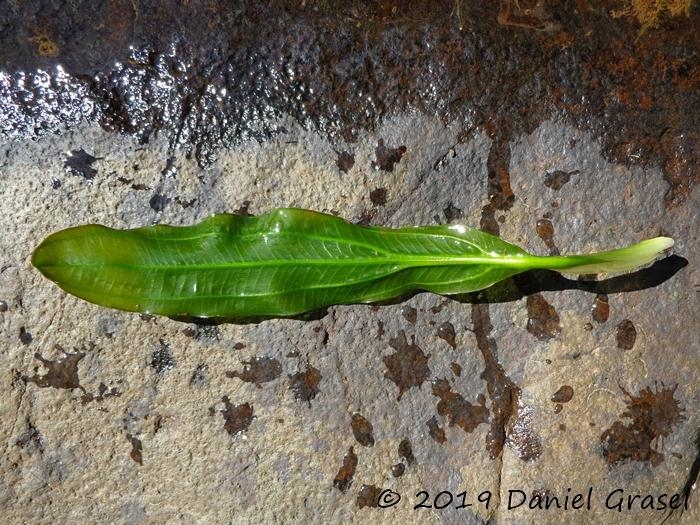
point(345, 161)
point(387, 157)
point(408, 365)
point(136, 452)
point(237, 418)
point(446, 331)
point(600, 311)
point(409, 313)
point(406, 451)
point(258, 370)
point(61, 373)
point(564, 394)
point(368, 496)
point(626, 334)
point(456, 369)
point(378, 196)
point(532, 15)
point(652, 414)
point(362, 430)
point(304, 384)
point(504, 393)
point(543, 320)
point(346, 473)
point(545, 231)
point(435, 431)
point(458, 410)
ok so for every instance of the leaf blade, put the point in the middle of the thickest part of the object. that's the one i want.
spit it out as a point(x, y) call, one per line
point(284, 263)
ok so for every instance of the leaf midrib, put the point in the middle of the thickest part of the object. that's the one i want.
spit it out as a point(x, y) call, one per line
point(404, 263)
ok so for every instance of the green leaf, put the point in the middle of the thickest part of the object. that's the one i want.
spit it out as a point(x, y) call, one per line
point(289, 262)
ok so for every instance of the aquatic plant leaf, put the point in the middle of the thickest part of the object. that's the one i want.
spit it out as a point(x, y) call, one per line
point(290, 261)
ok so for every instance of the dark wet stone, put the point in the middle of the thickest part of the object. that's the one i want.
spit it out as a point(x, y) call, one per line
point(243, 210)
point(199, 377)
point(452, 213)
point(458, 410)
point(406, 451)
point(345, 161)
point(563, 395)
point(237, 418)
point(408, 366)
point(30, 439)
point(230, 76)
point(136, 449)
point(653, 414)
point(3, 306)
point(409, 313)
point(543, 320)
point(446, 331)
point(305, 384)
point(521, 438)
point(366, 218)
point(103, 392)
point(380, 329)
point(162, 359)
point(693, 472)
point(438, 308)
point(500, 193)
point(24, 336)
point(185, 204)
point(345, 475)
point(378, 196)
point(557, 179)
point(158, 202)
point(368, 496)
point(79, 163)
point(437, 433)
point(502, 391)
point(398, 470)
point(61, 373)
point(137, 187)
point(600, 311)
point(258, 370)
point(626, 334)
point(362, 430)
point(558, 408)
point(386, 157)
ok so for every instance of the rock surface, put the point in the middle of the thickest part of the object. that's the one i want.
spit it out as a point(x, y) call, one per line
point(542, 384)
